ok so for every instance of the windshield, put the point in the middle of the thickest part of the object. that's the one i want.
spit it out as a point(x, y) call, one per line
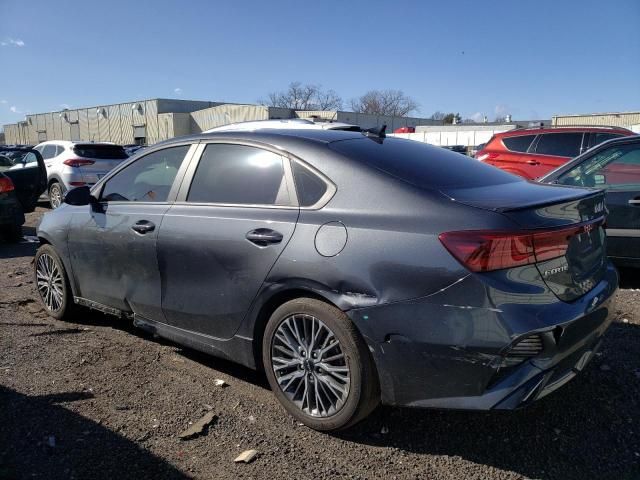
point(617, 167)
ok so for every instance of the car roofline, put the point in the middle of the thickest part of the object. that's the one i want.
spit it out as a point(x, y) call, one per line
point(565, 127)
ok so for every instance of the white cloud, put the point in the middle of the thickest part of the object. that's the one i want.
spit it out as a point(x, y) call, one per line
point(12, 42)
point(477, 117)
point(65, 106)
point(3, 101)
point(177, 91)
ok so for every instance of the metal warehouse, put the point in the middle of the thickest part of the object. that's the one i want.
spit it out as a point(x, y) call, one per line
point(150, 121)
point(614, 119)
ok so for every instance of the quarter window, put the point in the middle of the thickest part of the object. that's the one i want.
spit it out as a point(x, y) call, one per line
point(309, 186)
point(520, 143)
point(148, 179)
point(240, 175)
point(560, 144)
point(598, 138)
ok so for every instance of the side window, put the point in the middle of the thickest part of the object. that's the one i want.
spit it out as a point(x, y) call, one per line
point(59, 150)
point(240, 175)
point(148, 179)
point(616, 168)
point(598, 138)
point(49, 151)
point(309, 186)
point(518, 144)
point(560, 144)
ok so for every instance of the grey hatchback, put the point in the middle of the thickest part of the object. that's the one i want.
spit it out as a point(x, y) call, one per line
point(355, 269)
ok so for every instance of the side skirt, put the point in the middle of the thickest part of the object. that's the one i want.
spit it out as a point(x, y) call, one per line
point(236, 349)
point(100, 307)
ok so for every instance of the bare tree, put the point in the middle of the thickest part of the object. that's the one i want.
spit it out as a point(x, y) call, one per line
point(438, 115)
point(304, 97)
point(450, 118)
point(328, 100)
point(385, 102)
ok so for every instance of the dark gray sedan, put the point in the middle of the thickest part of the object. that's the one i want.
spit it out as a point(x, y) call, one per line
point(354, 269)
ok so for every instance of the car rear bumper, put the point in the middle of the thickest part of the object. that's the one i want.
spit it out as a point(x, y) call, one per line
point(435, 352)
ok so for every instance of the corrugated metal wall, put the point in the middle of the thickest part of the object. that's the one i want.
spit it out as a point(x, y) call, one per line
point(151, 118)
point(277, 113)
point(224, 114)
point(622, 119)
point(115, 123)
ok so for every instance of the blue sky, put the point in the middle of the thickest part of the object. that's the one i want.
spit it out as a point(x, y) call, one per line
point(530, 59)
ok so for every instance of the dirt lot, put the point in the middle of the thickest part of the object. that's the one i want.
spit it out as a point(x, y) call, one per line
point(98, 399)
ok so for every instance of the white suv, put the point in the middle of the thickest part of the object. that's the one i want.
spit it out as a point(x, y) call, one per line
point(75, 164)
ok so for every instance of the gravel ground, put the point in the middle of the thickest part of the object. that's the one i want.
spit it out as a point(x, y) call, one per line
point(99, 399)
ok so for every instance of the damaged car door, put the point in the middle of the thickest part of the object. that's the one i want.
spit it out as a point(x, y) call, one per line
point(112, 243)
point(233, 217)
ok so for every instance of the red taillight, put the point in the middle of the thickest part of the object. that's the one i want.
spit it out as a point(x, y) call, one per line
point(78, 162)
point(6, 185)
point(484, 251)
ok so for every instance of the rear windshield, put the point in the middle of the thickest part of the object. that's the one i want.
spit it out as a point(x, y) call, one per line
point(101, 152)
point(421, 164)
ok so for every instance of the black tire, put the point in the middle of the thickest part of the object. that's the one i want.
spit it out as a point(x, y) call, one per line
point(66, 308)
point(56, 194)
point(363, 390)
point(13, 233)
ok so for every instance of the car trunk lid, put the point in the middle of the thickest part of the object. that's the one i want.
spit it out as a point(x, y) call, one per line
point(562, 226)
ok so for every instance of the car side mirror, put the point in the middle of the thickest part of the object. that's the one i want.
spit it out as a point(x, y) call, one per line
point(78, 196)
point(599, 179)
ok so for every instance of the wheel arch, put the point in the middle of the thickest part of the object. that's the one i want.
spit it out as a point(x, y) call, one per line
point(269, 304)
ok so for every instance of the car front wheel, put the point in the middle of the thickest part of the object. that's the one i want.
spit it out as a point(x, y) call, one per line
point(318, 365)
point(53, 284)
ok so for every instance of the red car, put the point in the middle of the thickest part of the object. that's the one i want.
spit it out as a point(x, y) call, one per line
point(534, 152)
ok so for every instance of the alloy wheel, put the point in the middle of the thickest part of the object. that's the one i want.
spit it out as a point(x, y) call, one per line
point(50, 282)
point(310, 365)
point(55, 195)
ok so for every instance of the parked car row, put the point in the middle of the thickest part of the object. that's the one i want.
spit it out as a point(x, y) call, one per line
point(354, 269)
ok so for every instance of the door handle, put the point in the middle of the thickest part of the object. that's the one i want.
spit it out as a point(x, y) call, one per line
point(532, 162)
point(143, 226)
point(264, 237)
point(635, 201)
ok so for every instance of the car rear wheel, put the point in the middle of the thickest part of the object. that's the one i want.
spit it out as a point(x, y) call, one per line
point(56, 194)
point(318, 365)
point(53, 284)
